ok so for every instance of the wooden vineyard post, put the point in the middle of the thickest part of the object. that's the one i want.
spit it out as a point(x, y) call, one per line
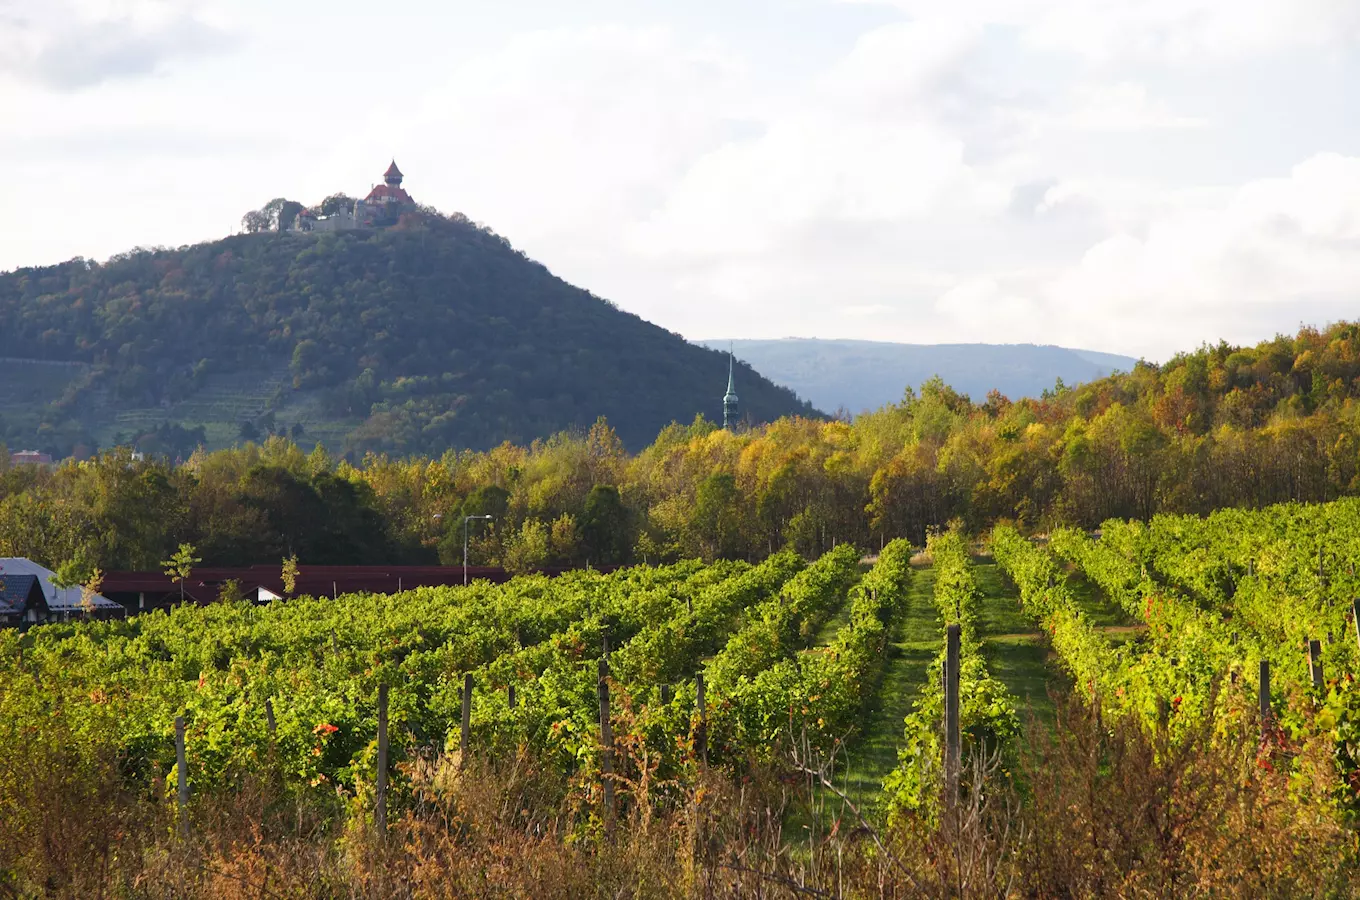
point(606, 748)
point(1163, 712)
point(1355, 617)
point(1315, 662)
point(510, 696)
point(269, 716)
point(665, 694)
point(701, 735)
point(953, 751)
point(465, 726)
point(182, 776)
point(380, 802)
point(1263, 695)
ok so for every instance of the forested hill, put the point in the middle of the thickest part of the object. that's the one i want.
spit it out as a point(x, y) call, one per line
point(431, 335)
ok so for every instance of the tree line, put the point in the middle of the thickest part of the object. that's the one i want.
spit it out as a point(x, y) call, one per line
point(1216, 428)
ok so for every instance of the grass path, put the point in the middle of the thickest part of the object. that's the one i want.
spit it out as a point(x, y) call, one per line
point(1016, 653)
point(915, 642)
point(1102, 612)
point(827, 633)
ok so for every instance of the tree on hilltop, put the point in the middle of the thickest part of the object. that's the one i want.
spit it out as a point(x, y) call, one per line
point(276, 215)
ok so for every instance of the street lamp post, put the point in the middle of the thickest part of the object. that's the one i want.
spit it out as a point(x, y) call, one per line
point(466, 520)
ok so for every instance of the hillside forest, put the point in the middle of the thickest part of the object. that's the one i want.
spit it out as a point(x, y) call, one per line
point(1219, 427)
point(429, 334)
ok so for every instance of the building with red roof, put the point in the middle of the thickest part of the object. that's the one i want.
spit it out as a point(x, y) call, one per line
point(381, 207)
point(390, 190)
point(30, 458)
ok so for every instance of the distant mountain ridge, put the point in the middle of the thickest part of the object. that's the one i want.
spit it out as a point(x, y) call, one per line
point(431, 335)
point(864, 375)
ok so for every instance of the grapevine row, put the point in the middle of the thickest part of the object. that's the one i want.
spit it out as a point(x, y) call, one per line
point(987, 711)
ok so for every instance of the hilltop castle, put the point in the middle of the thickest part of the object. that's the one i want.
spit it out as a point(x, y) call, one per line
point(381, 207)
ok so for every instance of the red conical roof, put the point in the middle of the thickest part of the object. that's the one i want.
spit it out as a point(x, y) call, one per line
point(392, 171)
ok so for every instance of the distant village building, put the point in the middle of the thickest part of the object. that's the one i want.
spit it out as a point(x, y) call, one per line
point(381, 207)
point(30, 458)
point(21, 600)
point(28, 597)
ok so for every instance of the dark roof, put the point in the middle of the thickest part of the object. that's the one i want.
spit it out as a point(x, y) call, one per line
point(392, 171)
point(318, 581)
point(57, 599)
point(17, 591)
point(384, 190)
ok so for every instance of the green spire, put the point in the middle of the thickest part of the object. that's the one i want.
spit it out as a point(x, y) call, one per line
point(730, 398)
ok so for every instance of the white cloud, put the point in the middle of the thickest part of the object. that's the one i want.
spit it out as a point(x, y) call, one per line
point(73, 44)
point(815, 169)
point(1124, 106)
point(1271, 254)
point(859, 203)
point(561, 132)
point(904, 64)
point(870, 144)
point(1182, 31)
point(985, 299)
point(865, 311)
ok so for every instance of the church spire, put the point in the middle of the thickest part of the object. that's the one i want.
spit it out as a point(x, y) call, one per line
point(730, 398)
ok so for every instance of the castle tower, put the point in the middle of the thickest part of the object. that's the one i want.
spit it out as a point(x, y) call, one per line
point(730, 398)
point(389, 192)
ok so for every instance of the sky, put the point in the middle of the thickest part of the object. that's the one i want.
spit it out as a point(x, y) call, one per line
point(1134, 176)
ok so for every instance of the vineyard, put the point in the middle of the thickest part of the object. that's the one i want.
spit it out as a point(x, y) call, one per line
point(689, 729)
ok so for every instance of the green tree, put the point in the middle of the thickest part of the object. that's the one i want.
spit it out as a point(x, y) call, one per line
point(71, 574)
point(716, 525)
point(604, 526)
point(334, 203)
point(79, 573)
point(487, 500)
point(181, 565)
point(528, 548)
point(565, 539)
point(230, 591)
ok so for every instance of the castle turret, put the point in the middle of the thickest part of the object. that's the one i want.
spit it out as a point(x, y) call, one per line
point(730, 398)
point(390, 191)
